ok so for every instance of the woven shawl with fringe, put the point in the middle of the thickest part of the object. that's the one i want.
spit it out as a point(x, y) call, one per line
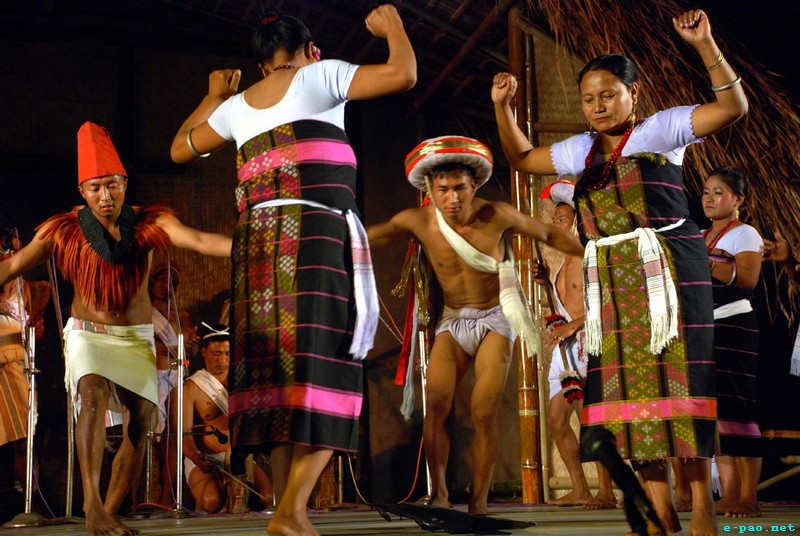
point(107, 285)
point(661, 290)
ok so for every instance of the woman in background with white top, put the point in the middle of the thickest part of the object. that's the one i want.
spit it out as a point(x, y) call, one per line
point(734, 252)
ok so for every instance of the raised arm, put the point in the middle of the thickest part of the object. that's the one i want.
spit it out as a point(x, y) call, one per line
point(551, 235)
point(26, 258)
point(383, 234)
point(730, 101)
point(519, 151)
point(399, 73)
point(182, 236)
point(222, 84)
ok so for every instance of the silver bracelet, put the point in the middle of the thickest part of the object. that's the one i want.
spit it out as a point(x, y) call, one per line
point(191, 145)
point(733, 276)
point(728, 85)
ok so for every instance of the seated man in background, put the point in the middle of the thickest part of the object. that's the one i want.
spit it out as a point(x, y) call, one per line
point(168, 321)
point(205, 397)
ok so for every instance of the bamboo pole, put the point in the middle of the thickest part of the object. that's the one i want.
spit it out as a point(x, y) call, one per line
point(527, 381)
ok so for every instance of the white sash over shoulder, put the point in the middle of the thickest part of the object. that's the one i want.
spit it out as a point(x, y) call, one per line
point(212, 388)
point(512, 299)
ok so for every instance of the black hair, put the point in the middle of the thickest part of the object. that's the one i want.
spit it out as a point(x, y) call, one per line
point(274, 32)
point(620, 66)
point(450, 168)
point(733, 178)
point(7, 236)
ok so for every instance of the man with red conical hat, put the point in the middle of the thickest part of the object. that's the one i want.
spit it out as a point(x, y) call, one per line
point(105, 250)
point(464, 239)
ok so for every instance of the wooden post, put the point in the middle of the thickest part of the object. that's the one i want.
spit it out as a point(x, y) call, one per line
point(530, 458)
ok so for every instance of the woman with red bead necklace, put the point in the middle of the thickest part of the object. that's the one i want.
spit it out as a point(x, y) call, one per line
point(300, 328)
point(734, 251)
point(649, 320)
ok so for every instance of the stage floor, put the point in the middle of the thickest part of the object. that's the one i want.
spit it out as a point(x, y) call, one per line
point(549, 521)
point(361, 521)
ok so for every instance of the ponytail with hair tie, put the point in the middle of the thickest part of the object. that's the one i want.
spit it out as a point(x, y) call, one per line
point(266, 20)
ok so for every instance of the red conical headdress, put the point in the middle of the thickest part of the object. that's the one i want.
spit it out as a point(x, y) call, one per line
point(97, 156)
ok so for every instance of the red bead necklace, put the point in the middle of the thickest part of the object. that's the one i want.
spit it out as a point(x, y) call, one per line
point(719, 235)
point(601, 181)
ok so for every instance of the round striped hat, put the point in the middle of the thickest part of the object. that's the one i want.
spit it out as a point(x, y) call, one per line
point(559, 191)
point(435, 152)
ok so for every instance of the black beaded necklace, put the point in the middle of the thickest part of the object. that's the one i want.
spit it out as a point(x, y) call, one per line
point(101, 241)
point(284, 66)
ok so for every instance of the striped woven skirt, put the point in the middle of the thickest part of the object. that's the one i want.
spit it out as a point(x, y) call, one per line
point(664, 405)
point(736, 351)
point(292, 378)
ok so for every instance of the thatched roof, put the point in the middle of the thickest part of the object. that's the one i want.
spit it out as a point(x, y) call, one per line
point(765, 143)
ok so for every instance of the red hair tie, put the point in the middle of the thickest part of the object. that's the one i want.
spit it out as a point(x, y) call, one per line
point(267, 20)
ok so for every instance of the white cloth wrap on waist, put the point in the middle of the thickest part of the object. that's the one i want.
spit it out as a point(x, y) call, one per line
point(164, 330)
point(217, 458)
point(124, 355)
point(732, 309)
point(212, 388)
point(512, 299)
point(364, 289)
point(662, 295)
point(167, 380)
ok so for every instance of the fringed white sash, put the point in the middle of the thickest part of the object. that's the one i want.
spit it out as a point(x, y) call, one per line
point(732, 309)
point(512, 299)
point(661, 291)
point(364, 288)
point(212, 387)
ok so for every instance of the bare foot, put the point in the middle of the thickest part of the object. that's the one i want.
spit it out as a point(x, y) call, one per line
point(100, 522)
point(682, 503)
point(573, 498)
point(601, 502)
point(440, 503)
point(652, 530)
point(291, 526)
point(744, 509)
point(478, 509)
point(703, 524)
point(722, 506)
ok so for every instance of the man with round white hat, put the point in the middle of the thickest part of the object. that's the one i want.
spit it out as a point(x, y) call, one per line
point(464, 238)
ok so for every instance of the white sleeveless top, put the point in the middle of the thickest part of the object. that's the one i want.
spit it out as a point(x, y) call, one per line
point(317, 91)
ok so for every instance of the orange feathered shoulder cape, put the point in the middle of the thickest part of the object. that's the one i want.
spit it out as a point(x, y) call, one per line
point(107, 274)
